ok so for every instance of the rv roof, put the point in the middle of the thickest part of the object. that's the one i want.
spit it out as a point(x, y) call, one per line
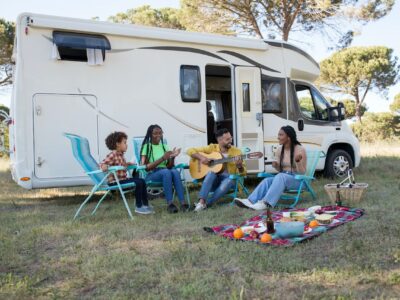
point(80, 25)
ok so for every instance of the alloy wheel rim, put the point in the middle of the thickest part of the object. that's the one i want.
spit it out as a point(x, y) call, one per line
point(340, 166)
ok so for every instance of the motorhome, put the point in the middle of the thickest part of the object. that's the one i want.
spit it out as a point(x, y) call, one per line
point(91, 78)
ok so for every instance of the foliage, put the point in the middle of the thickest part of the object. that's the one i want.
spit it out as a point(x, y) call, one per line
point(395, 106)
point(4, 140)
point(145, 15)
point(378, 126)
point(358, 70)
point(7, 30)
point(190, 17)
point(44, 254)
point(265, 18)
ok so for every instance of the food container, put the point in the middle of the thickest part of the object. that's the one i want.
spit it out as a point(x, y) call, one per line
point(289, 229)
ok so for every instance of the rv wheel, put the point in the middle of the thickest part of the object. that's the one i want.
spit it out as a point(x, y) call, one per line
point(337, 163)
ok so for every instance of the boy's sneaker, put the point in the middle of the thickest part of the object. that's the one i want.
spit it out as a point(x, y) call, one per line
point(143, 210)
point(149, 207)
point(245, 203)
point(172, 209)
point(184, 207)
point(200, 206)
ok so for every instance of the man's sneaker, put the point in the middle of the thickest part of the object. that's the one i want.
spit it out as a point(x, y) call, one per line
point(245, 203)
point(184, 207)
point(143, 210)
point(172, 209)
point(199, 206)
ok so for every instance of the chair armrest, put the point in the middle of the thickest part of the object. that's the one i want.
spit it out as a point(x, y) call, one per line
point(265, 175)
point(236, 176)
point(131, 167)
point(181, 166)
point(299, 177)
point(95, 172)
point(116, 168)
point(141, 168)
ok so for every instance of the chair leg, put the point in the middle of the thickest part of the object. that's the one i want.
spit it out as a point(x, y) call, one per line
point(235, 192)
point(187, 194)
point(98, 204)
point(298, 196)
point(94, 189)
point(311, 190)
point(125, 202)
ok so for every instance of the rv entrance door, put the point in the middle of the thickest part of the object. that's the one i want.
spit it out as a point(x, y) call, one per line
point(248, 107)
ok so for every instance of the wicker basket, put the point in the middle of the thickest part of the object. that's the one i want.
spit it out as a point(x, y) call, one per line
point(351, 193)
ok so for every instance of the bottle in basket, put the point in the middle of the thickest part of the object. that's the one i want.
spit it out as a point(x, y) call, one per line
point(338, 200)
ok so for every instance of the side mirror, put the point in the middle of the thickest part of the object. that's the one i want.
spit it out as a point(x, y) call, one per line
point(341, 110)
point(300, 124)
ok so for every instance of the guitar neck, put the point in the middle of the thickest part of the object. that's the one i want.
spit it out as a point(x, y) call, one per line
point(228, 159)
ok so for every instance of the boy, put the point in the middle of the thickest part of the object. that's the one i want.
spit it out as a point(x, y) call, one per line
point(116, 142)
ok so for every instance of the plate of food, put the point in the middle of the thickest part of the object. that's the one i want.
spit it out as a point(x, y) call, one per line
point(324, 219)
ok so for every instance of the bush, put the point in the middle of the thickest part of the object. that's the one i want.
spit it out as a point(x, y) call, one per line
point(378, 126)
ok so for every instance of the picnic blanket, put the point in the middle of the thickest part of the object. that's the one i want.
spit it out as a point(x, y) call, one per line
point(343, 215)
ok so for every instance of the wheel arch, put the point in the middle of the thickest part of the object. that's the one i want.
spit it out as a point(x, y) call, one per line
point(341, 146)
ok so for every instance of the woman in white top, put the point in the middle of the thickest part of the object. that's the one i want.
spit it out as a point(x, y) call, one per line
point(291, 160)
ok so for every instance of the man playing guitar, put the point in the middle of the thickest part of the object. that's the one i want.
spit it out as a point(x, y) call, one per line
point(219, 183)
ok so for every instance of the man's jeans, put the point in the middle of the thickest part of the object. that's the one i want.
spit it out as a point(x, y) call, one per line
point(217, 183)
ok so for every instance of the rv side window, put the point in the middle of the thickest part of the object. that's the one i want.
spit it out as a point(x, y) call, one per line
point(80, 47)
point(312, 104)
point(190, 84)
point(272, 95)
point(246, 96)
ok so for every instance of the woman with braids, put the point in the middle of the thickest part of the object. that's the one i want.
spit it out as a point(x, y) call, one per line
point(159, 161)
point(291, 160)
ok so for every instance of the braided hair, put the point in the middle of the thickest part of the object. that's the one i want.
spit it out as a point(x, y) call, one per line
point(147, 141)
point(291, 133)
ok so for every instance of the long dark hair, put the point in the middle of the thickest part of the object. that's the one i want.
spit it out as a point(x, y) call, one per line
point(147, 141)
point(291, 133)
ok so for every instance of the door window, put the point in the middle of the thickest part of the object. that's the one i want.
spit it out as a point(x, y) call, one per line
point(312, 104)
point(272, 95)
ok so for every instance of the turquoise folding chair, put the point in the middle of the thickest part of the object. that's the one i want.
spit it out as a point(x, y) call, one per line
point(81, 152)
point(156, 187)
point(305, 180)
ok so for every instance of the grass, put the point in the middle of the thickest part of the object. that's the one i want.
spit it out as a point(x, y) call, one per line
point(43, 254)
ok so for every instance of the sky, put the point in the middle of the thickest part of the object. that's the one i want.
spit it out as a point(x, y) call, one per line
point(381, 32)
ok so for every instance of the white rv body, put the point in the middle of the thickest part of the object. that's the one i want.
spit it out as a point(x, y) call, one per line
point(149, 76)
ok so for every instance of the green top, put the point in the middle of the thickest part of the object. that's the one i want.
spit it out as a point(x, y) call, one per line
point(156, 152)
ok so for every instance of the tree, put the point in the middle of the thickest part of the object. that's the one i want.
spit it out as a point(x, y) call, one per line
point(357, 70)
point(189, 17)
point(7, 30)
point(395, 106)
point(145, 15)
point(266, 18)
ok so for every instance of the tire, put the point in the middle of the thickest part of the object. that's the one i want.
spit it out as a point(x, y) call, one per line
point(337, 163)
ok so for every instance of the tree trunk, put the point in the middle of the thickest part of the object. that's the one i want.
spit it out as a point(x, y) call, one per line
point(358, 110)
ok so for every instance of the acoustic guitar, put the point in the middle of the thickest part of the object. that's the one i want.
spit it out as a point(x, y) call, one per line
point(199, 170)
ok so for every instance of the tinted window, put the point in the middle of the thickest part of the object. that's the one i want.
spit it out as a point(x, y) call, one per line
point(272, 95)
point(312, 104)
point(190, 83)
point(72, 46)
